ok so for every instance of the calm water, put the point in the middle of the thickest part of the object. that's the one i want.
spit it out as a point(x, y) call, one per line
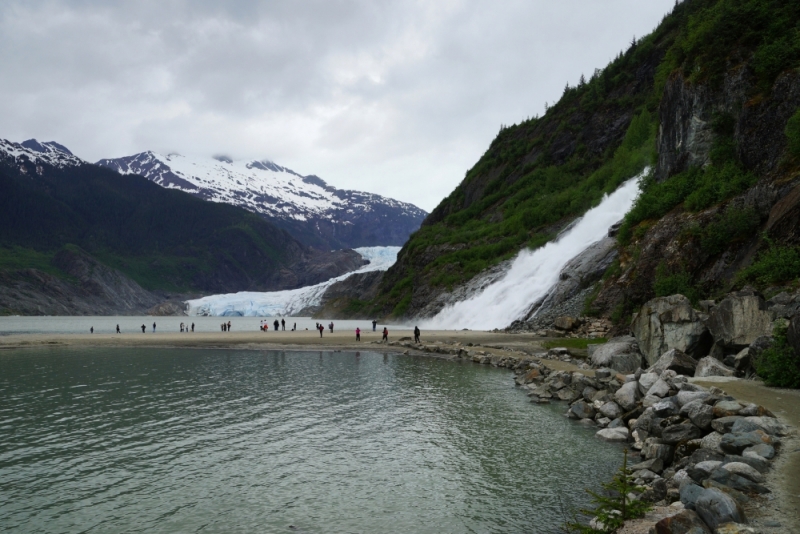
point(134, 440)
point(107, 324)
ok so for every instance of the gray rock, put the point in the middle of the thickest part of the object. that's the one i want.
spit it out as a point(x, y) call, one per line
point(611, 410)
point(685, 397)
point(684, 522)
point(690, 492)
point(761, 450)
point(659, 389)
point(710, 366)
point(738, 442)
point(674, 360)
point(739, 320)
point(706, 455)
point(650, 400)
point(699, 413)
point(745, 470)
point(759, 464)
point(737, 482)
point(655, 448)
point(666, 407)
point(674, 434)
point(726, 408)
point(723, 425)
point(588, 393)
point(741, 362)
point(715, 508)
point(666, 323)
point(646, 381)
point(616, 423)
point(627, 395)
point(656, 465)
point(712, 441)
point(619, 434)
point(581, 410)
point(770, 425)
point(620, 354)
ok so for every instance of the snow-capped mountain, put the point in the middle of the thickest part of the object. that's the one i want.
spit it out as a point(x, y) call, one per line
point(316, 213)
point(32, 151)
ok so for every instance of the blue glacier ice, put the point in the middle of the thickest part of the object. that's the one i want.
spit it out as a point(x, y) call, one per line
point(290, 301)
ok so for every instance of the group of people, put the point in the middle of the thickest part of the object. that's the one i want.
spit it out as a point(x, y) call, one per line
point(185, 328)
point(225, 327)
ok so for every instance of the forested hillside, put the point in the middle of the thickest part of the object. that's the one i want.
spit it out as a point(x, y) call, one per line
point(709, 100)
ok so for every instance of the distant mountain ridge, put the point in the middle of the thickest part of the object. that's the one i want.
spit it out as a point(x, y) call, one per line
point(314, 212)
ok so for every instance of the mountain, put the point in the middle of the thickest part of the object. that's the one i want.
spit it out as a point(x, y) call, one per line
point(162, 240)
point(314, 212)
point(709, 100)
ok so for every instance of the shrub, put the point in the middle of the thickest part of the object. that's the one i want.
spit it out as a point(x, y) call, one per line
point(793, 134)
point(668, 283)
point(732, 226)
point(776, 265)
point(779, 366)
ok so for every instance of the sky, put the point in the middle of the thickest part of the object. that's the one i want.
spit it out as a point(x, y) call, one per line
point(396, 97)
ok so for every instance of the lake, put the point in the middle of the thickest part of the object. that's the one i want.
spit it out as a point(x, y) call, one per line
point(192, 440)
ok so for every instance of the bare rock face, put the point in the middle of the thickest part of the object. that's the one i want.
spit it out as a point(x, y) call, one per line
point(675, 360)
point(739, 319)
point(666, 323)
point(710, 366)
point(620, 353)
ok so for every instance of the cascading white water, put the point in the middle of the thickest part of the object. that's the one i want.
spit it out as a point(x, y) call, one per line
point(534, 272)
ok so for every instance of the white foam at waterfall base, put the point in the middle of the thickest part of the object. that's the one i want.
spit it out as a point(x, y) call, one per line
point(534, 272)
point(288, 302)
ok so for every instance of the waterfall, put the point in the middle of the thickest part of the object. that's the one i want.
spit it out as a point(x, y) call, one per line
point(534, 272)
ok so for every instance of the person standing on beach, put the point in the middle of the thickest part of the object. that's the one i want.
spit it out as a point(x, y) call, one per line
point(192, 327)
point(154, 327)
point(91, 330)
point(374, 324)
point(294, 327)
point(229, 326)
point(283, 325)
point(321, 330)
point(331, 327)
point(385, 335)
point(117, 329)
point(358, 334)
point(143, 328)
point(276, 324)
point(416, 334)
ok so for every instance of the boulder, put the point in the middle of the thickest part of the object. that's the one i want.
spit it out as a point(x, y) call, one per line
point(761, 450)
point(736, 443)
point(744, 470)
point(674, 360)
point(675, 434)
point(665, 407)
point(611, 410)
point(712, 442)
point(726, 408)
point(566, 323)
point(716, 508)
point(737, 482)
point(659, 389)
point(620, 353)
point(739, 320)
point(724, 425)
point(627, 395)
point(646, 381)
point(665, 323)
point(690, 492)
point(710, 366)
point(699, 413)
point(685, 397)
point(655, 448)
point(770, 425)
point(684, 522)
point(759, 464)
point(735, 528)
point(619, 434)
point(581, 410)
point(656, 465)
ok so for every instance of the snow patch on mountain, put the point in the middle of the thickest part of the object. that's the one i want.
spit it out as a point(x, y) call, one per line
point(259, 186)
point(288, 302)
point(32, 151)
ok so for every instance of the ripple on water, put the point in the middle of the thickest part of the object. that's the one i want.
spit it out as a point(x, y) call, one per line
point(148, 440)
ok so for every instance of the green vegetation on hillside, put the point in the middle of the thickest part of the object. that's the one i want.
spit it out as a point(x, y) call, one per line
point(779, 366)
point(161, 238)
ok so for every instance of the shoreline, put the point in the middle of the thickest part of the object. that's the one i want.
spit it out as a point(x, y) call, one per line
point(785, 404)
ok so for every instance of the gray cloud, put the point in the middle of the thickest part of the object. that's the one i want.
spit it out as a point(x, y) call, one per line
point(398, 97)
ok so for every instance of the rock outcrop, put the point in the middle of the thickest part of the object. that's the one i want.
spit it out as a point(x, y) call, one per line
point(620, 353)
point(666, 323)
point(739, 319)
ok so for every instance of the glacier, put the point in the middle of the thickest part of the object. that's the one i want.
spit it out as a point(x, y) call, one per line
point(288, 302)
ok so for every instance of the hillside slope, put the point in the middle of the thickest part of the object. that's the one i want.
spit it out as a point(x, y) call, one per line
point(706, 99)
point(161, 239)
point(314, 212)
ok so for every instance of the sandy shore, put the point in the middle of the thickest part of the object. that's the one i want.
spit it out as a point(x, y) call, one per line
point(785, 404)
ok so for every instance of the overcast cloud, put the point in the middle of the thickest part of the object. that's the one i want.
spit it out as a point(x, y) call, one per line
point(397, 97)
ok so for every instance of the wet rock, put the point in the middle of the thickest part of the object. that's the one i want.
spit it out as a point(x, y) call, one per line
point(710, 366)
point(724, 425)
point(684, 522)
point(716, 508)
point(674, 360)
point(581, 410)
point(620, 354)
point(666, 323)
point(627, 395)
point(739, 320)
